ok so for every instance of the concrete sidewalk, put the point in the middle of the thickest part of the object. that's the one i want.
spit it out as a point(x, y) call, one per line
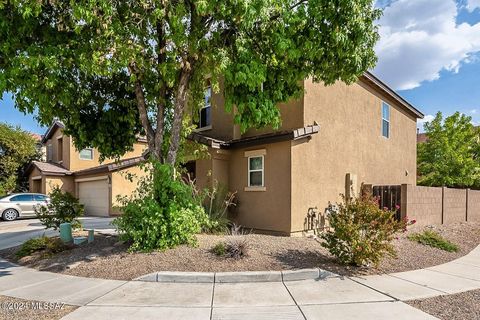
point(335, 297)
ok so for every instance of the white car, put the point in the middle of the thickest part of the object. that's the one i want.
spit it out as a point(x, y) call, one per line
point(21, 205)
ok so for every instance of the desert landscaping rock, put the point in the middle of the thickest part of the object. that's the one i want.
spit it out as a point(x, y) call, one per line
point(264, 253)
point(29, 310)
point(460, 306)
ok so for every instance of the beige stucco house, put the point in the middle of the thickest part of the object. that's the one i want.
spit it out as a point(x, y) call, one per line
point(95, 184)
point(331, 141)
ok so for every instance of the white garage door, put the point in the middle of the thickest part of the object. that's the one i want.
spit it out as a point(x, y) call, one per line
point(94, 196)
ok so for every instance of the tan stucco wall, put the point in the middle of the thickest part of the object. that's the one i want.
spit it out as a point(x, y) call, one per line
point(54, 141)
point(71, 157)
point(65, 183)
point(121, 186)
point(78, 164)
point(263, 210)
point(36, 173)
point(291, 116)
point(350, 141)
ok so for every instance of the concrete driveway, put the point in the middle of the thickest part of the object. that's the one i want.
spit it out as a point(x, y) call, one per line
point(16, 232)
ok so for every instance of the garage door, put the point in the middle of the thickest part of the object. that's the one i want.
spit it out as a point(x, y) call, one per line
point(94, 196)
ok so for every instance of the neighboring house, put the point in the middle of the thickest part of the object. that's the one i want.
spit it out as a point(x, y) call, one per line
point(331, 140)
point(421, 137)
point(96, 185)
point(41, 149)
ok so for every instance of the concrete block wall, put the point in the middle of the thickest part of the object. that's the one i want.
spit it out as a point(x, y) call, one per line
point(473, 206)
point(454, 205)
point(440, 205)
point(422, 204)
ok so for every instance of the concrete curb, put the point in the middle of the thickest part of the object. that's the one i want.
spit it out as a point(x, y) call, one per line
point(237, 277)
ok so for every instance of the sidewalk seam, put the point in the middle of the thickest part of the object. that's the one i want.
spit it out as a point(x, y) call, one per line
point(422, 285)
point(291, 296)
point(213, 296)
point(374, 289)
point(106, 293)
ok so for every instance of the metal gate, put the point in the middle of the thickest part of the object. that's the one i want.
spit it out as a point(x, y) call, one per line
point(389, 197)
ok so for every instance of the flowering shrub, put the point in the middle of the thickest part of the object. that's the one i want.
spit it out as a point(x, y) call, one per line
point(361, 232)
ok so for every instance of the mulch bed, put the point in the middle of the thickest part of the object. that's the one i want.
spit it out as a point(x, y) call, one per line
point(108, 258)
point(19, 309)
point(460, 306)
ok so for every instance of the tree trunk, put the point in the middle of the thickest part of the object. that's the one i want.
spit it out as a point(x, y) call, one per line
point(180, 104)
point(143, 113)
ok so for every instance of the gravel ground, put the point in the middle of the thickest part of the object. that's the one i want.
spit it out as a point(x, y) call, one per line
point(19, 309)
point(460, 306)
point(112, 261)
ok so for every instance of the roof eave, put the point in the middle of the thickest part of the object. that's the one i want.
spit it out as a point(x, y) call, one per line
point(390, 92)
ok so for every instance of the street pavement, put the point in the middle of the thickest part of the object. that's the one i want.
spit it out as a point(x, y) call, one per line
point(14, 233)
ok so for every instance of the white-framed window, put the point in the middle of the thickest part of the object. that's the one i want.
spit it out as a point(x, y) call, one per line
point(86, 154)
point(256, 171)
point(49, 152)
point(205, 112)
point(385, 120)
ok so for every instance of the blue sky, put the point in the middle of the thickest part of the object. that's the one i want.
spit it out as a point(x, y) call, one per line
point(429, 52)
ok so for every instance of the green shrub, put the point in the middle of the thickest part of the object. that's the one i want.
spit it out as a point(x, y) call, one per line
point(48, 245)
point(63, 207)
point(162, 213)
point(219, 249)
point(361, 232)
point(433, 239)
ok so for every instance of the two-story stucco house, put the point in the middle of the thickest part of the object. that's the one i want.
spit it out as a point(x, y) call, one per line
point(332, 139)
point(95, 184)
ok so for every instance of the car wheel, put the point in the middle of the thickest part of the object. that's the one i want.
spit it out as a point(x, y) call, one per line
point(10, 215)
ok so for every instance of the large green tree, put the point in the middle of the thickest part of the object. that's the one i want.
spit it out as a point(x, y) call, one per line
point(111, 69)
point(17, 149)
point(450, 156)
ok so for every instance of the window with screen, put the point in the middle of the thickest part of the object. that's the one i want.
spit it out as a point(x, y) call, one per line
point(205, 112)
point(385, 120)
point(255, 171)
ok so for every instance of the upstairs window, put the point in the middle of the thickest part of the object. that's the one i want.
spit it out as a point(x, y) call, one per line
point(385, 120)
point(49, 153)
point(205, 112)
point(86, 154)
point(60, 149)
point(255, 171)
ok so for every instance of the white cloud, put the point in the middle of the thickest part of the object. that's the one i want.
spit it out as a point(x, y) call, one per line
point(473, 4)
point(473, 111)
point(420, 38)
point(427, 118)
point(421, 122)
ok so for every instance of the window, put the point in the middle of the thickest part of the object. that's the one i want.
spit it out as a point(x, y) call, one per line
point(205, 112)
point(255, 171)
point(22, 198)
point(49, 152)
point(385, 120)
point(60, 149)
point(39, 197)
point(86, 154)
